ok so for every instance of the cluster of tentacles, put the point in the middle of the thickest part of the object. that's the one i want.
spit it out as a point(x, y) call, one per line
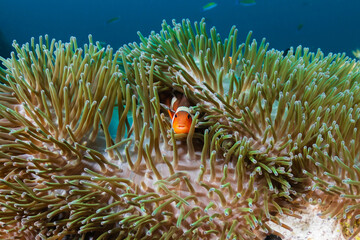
point(87, 150)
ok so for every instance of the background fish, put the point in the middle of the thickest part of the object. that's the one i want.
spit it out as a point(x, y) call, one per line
point(113, 20)
point(209, 6)
point(246, 2)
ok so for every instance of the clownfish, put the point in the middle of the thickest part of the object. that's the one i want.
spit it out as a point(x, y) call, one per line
point(179, 113)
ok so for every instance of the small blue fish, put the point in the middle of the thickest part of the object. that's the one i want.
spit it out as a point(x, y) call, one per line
point(209, 6)
point(245, 2)
point(113, 20)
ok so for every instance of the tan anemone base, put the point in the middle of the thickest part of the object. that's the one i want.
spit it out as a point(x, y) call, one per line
point(310, 226)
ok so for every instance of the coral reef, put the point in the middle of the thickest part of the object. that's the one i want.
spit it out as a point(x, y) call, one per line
point(270, 134)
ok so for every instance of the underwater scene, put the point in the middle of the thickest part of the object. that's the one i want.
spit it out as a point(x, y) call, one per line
point(223, 119)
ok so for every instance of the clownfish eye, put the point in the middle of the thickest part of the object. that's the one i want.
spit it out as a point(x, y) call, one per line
point(189, 116)
point(175, 115)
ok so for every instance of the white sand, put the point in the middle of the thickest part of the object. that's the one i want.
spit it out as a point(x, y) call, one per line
point(310, 227)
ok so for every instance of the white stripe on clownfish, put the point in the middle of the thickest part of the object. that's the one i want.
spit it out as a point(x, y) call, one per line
point(183, 109)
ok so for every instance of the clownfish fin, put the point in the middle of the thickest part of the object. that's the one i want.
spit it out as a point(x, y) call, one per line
point(171, 113)
point(174, 103)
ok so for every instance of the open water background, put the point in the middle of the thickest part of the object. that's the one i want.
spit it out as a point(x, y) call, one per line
point(332, 25)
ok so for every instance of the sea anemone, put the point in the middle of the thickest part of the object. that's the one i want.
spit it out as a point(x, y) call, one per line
point(270, 134)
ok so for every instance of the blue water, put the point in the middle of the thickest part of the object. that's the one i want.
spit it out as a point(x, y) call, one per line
point(114, 123)
point(332, 25)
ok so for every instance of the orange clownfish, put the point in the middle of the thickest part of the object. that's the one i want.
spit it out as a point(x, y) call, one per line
point(179, 112)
